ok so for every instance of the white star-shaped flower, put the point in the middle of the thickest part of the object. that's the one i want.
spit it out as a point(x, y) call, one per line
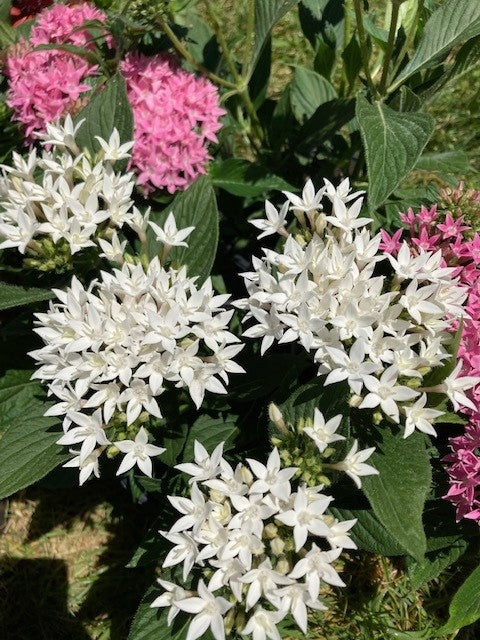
point(138, 452)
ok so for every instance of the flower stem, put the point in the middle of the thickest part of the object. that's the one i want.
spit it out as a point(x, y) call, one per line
point(183, 51)
point(390, 44)
point(407, 44)
point(363, 46)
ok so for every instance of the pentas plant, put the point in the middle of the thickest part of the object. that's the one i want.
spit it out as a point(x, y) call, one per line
point(176, 113)
point(379, 322)
point(451, 228)
point(63, 200)
point(259, 543)
point(44, 85)
point(176, 116)
point(112, 349)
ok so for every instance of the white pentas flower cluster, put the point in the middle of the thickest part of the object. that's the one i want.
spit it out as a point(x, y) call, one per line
point(262, 544)
point(381, 328)
point(64, 199)
point(112, 349)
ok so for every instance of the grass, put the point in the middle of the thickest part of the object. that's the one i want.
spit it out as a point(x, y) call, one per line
point(63, 555)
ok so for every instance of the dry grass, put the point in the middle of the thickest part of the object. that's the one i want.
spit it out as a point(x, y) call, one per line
point(63, 556)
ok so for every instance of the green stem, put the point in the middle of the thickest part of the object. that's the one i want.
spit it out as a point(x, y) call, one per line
point(183, 51)
point(390, 44)
point(240, 82)
point(408, 42)
point(222, 42)
point(363, 46)
point(247, 52)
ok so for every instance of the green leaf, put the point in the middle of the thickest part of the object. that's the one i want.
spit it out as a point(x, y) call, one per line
point(195, 207)
point(368, 533)
point(324, 123)
point(465, 605)
point(325, 56)
point(202, 43)
point(405, 100)
point(393, 143)
point(245, 179)
point(352, 60)
point(207, 430)
point(331, 400)
point(27, 448)
point(308, 91)
point(323, 19)
point(397, 495)
point(210, 432)
point(12, 296)
point(107, 110)
point(8, 34)
point(446, 162)
point(434, 563)
point(267, 14)
point(455, 21)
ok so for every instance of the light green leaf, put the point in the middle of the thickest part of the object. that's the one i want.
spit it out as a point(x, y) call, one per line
point(465, 605)
point(195, 207)
point(455, 21)
point(12, 296)
point(393, 143)
point(107, 110)
point(397, 495)
point(27, 448)
point(446, 162)
point(308, 91)
point(245, 179)
point(267, 14)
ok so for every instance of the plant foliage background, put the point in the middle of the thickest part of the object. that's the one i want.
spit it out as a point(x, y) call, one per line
point(382, 93)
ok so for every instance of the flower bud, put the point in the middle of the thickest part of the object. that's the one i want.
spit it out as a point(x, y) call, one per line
point(229, 621)
point(270, 531)
point(355, 400)
point(240, 621)
point(246, 474)
point(277, 546)
point(276, 417)
point(283, 565)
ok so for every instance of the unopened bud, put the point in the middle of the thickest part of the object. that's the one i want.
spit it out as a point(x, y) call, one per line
point(229, 621)
point(277, 545)
point(217, 496)
point(377, 417)
point(283, 566)
point(112, 451)
point(355, 400)
point(240, 621)
point(246, 474)
point(276, 417)
point(270, 531)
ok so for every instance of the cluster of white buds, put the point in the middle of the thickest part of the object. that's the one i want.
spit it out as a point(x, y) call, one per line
point(64, 200)
point(263, 547)
point(111, 349)
point(382, 334)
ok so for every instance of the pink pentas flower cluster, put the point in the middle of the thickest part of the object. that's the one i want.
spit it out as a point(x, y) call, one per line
point(46, 85)
point(176, 115)
point(451, 228)
point(61, 23)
